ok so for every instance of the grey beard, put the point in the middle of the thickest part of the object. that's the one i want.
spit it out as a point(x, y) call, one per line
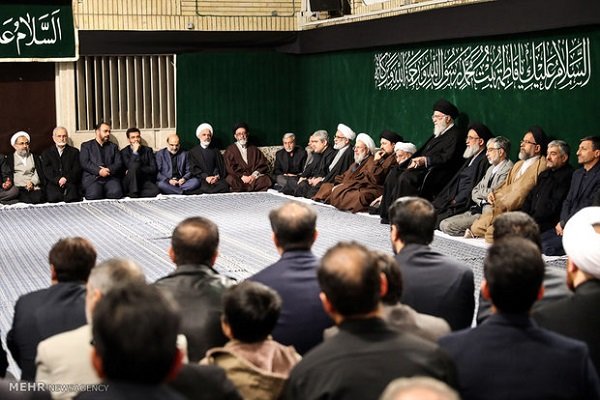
point(337, 146)
point(470, 151)
point(243, 143)
point(204, 144)
point(360, 158)
point(523, 156)
point(23, 153)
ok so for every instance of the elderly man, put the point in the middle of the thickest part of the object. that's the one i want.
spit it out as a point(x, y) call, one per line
point(139, 167)
point(101, 163)
point(247, 167)
point(497, 152)
point(207, 164)
point(341, 162)
point(521, 179)
point(316, 168)
point(174, 175)
point(62, 169)
point(26, 170)
point(455, 197)
point(403, 152)
point(577, 316)
point(584, 186)
point(289, 162)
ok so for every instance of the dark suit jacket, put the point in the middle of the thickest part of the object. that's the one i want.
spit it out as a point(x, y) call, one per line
point(284, 164)
point(41, 314)
point(358, 363)
point(320, 165)
point(145, 159)
point(576, 316)
point(3, 361)
point(165, 167)
point(302, 319)
point(199, 165)
point(509, 357)
point(544, 202)
point(67, 165)
point(91, 160)
point(436, 284)
point(584, 186)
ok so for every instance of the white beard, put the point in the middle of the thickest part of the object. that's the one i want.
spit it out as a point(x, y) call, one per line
point(23, 153)
point(337, 146)
point(523, 156)
point(243, 142)
point(359, 158)
point(439, 128)
point(204, 144)
point(470, 151)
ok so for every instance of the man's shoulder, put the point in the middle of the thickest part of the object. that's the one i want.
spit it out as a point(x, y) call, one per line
point(291, 263)
point(57, 343)
point(191, 275)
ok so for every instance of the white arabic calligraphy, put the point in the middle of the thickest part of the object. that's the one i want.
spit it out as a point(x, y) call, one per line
point(541, 65)
point(28, 30)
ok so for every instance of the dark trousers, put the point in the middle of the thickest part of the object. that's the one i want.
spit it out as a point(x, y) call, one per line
point(104, 188)
point(69, 193)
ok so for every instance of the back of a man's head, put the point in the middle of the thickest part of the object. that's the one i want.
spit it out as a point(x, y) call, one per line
point(388, 265)
point(517, 224)
point(72, 258)
point(418, 388)
point(251, 310)
point(134, 332)
point(349, 277)
point(294, 225)
point(115, 272)
point(514, 271)
point(195, 241)
point(414, 218)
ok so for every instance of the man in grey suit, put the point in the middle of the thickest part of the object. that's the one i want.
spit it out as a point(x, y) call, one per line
point(497, 152)
point(434, 283)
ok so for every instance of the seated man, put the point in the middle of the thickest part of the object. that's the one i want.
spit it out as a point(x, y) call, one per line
point(258, 365)
point(207, 164)
point(289, 162)
point(58, 308)
point(584, 186)
point(511, 195)
point(527, 362)
point(174, 175)
point(247, 167)
point(8, 191)
point(438, 159)
point(455, 197)
point(341, 162)
point(545, 200)
point(101, 164)
point(498, 149)
point(316, 167)
point(26, 170)
point(434, 283)
point(62, 169)
point(139, 166)
point(403, 152)
point(366, 354)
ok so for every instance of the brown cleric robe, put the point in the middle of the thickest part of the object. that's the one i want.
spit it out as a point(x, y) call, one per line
point(357, 187)
point(236, 167)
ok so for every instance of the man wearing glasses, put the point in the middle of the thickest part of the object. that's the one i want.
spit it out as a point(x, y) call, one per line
point(26, 170)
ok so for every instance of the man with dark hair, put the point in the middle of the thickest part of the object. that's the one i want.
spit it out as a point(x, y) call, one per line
point(101, 164)
point(174, 173)
point(294, 277)
point(62, 169)
point(434, 283)
point(139, 167)
point(526, 362)
point(289, 162)
point(247, 167)
point(366, 354)
point(195, 285)
point(257, 364)
point(207, 163)
point(8, 191)
point(134, 330)
point(58, 308)
point(585, 184)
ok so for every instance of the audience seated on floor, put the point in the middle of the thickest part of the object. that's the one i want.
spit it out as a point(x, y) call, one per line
point(294, 277)
point(433, 283)
point(257, 365)
point(509, 356)
point(58, 308)
point(65, 358)
point(418, 388)
point(366, 354)
point(403, 152)
point(62, 169)
point(139, 167)
point(207, 163)
point(289, 162)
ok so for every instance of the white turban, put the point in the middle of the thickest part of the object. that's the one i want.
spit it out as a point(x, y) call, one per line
point(405, 146)
point(17, 135)
point(202, 127)
point(346, 131)
point(366, 139)
point(582, 242)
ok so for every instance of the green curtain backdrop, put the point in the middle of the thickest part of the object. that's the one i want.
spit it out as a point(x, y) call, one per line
point(276, 93)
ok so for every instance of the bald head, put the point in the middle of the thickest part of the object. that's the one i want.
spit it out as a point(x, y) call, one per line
point(418, 388)
point(195, 241)
point(294, 226)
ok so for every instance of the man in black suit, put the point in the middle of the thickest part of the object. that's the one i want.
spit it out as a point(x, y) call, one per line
point(139, 167)
point(577, 316)
point(58, 308)
point(366, 354)
point(207, 164)
point(294, 277)
point(62, 169)
point(508, 356)
point(289, 162)
point(101, 164)
point(434, 283)
point(438, 159)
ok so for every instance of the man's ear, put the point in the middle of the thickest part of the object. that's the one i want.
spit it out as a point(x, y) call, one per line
point(176, 367)
point(213, 259)
point(540, 292)
point(274, 239)
point(53, 276)
point(383, 284)
point(97, 363)
point(171, 253)
point(485, 291)
point(315, 235)
point(571, 267)
point(327, 306)
point(394, 233)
